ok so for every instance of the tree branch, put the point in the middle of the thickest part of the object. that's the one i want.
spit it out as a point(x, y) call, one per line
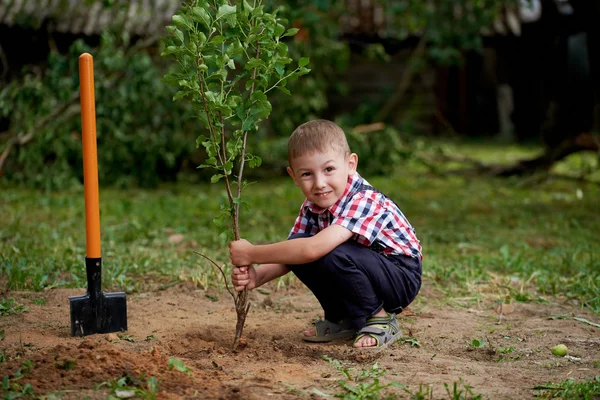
point(220, 270)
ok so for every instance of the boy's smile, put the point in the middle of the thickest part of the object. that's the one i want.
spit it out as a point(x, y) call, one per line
point(322, 177)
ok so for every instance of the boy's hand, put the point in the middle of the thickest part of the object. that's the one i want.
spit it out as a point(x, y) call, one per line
point(243, 277)
point(240, 252)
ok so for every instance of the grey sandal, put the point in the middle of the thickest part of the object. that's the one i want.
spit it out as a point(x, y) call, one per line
point(326, 331)
point(384, 330)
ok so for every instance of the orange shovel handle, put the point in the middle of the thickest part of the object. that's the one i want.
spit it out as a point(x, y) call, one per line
point(90, 155)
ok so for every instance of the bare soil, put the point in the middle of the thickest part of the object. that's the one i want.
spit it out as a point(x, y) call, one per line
point(197, 327)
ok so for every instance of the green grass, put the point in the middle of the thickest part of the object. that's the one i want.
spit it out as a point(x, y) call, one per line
point(481, 236)
point(570, 389)
point(8, 306)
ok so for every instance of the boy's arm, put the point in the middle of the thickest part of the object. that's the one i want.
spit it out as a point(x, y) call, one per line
point(294, 251)
point(267, 272)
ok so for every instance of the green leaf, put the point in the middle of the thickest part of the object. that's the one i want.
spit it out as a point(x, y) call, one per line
point(280, 69)
point(291, 32)
point(173, 78)
point(180, 94)
point(228, 167)
point(200, 38)
point(248, 124)
point(283, 60)
point(303, 71)
point(282, 49)
point(182, 21)
point(231, 64)
point(284, 89)
point(211, 160)
point(217, 40)
point(173, 362)
point(255, 63)
point(176, 33)
point(303, 61)
point(171, 50)
point(199, 14)
point(259, 96)
point(228, 12)
point(199, 140)
point(254, 162)
point(216, 178)
point(235, 48)
point(279, 29)
point(247, 6)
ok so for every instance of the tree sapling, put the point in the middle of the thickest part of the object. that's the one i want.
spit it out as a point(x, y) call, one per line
point(228, 58)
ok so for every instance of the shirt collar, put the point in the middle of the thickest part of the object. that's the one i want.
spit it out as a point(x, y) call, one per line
point(354, 181)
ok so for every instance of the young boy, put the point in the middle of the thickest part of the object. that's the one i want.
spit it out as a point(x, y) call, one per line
point(350, 245)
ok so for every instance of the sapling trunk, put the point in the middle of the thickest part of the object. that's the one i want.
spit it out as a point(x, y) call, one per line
point(228, 58)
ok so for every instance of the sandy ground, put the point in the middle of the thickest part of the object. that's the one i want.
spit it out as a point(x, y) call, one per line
point(187, 324)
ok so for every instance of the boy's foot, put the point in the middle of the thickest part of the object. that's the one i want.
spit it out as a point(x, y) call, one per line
point(379, 332)
point(326, 331)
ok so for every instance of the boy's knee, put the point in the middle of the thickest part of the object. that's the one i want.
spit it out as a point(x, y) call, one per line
point(334, 261)
point(337, 258)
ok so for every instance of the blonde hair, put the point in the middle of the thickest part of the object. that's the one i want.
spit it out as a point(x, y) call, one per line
point(319, 135)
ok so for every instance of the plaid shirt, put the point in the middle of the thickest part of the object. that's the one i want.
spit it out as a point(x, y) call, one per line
point(375, 220)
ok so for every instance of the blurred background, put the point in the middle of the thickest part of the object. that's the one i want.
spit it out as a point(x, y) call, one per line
point(401, 77)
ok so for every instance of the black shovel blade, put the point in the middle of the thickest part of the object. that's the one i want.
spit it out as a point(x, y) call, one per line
point(104, 314)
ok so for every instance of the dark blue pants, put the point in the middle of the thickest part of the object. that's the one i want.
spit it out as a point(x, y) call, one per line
point(353, 282)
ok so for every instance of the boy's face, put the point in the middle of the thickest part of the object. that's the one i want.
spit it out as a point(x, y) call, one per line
point(322, 177)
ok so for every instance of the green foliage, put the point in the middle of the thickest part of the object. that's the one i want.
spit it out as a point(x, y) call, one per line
point(8, 306)
point(127, 387)
point(450, 27)
point(11, 385)
point(460, 391)
point(380, 151)
point(179, 366)
point(570, 389)
point(364, 385)
point(320, 36)
point(140, 132)
point(229, 58)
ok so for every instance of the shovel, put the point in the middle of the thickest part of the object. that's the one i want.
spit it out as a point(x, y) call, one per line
point(94, 312)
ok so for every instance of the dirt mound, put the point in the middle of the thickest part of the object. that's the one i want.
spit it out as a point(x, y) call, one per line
point(182, 339)
point(96, 362)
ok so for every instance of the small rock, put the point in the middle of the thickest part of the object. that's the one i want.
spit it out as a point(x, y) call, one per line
point(124, 394)
point(242, 343)
point(86, 344)
point(505, 309)
point(176, 238)
point(111, 337)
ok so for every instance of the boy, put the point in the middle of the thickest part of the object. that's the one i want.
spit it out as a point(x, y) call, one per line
point(350, 245)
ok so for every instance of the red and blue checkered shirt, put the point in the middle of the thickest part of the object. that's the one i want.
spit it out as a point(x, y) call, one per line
point(375, 220)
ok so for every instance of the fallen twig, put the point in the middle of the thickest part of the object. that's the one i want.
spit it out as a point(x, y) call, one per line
point(586, 321)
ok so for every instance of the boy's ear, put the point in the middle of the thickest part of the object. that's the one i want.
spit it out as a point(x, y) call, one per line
point(352, 163)
point(290, 171)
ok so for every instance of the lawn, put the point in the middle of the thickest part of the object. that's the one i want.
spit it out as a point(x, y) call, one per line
point(480, 235)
